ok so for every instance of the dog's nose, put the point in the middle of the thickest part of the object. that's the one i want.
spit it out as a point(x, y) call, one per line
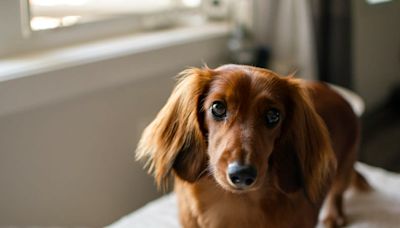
point(241, 176)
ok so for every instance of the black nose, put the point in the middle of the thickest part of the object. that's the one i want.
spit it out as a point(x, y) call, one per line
point(241, 176)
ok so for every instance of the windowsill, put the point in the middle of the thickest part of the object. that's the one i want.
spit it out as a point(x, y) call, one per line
point(40, 78)
point(39, 62)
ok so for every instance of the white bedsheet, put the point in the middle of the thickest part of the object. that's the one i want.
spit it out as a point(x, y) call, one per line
point(379, 208)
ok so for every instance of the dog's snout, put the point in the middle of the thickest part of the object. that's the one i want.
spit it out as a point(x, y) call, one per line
point(241, 176)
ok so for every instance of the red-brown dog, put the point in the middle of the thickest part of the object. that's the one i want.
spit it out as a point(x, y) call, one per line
point(249, 148)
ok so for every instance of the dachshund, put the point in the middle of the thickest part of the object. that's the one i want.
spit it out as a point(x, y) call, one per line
point(247, 147)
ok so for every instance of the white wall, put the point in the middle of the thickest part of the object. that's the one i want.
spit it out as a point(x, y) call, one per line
point(69, 161)
point(376, 53)
point(72, 163)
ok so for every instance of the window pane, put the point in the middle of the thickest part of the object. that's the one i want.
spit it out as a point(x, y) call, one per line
point(48, 14)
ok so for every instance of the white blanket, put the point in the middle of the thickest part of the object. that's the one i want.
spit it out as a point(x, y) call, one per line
point(379, 208)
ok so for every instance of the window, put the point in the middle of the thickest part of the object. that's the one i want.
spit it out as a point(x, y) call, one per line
point(30, 25)
point(50, 14)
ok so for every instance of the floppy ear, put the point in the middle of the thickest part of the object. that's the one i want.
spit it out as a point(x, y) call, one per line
point(174, 140)
point(303, 156)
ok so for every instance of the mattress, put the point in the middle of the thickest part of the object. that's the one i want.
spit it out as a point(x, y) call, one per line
point(378, 208)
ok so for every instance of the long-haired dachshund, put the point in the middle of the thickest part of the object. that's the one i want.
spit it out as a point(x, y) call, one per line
point(249, 148)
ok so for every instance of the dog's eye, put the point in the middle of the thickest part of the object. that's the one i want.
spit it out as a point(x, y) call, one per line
point(273, 117)
point(218, 110)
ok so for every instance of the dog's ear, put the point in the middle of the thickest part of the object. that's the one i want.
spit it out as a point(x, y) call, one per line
point(174, 140)
point(303, 155)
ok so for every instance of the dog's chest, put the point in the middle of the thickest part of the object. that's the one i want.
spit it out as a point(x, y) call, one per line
point(217, 210)
point(208, 206)
point(221, 212)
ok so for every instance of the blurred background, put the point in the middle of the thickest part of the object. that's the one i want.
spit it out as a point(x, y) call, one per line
point(80, 79)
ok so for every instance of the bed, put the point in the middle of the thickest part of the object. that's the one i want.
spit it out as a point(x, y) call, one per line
point(379, 208)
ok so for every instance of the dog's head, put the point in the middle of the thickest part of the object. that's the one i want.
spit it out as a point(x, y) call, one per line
point(246, 127)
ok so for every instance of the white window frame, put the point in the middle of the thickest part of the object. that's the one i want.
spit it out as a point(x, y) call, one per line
point(19, 38)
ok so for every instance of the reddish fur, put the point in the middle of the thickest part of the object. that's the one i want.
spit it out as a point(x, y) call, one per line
point(309, 155)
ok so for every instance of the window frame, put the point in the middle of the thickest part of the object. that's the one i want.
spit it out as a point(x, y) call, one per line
point(24, 40)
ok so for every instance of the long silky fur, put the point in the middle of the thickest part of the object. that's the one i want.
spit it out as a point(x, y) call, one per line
point(310, 138)
point(176, 128)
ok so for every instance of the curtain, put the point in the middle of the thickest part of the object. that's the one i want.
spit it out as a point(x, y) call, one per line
point(309, 37)
point(332, 22)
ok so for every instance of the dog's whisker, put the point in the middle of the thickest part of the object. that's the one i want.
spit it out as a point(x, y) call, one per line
point(201, 173)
